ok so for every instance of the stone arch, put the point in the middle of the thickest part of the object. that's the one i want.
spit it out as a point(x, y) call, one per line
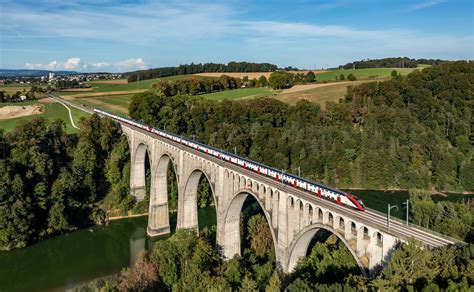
point(320, 215)
point(158, 219)
point(299, 246)
point(137, 171)
point(364, 231)
point(310, 213)
point(353, 227)
point(379, 239)
point(339, 223)
point(328, 218)
point(187, 200)
point(232, 215)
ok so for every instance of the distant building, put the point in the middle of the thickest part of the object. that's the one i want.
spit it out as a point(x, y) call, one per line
point(51, 75)
point(22, 97)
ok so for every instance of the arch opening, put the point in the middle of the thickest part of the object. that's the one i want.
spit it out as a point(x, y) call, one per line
point(196, 208)
point(353, 229)
point(140, 178)
point(248, 229)
point(319, 241)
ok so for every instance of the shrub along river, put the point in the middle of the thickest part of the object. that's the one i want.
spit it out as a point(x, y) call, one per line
point(70, 259)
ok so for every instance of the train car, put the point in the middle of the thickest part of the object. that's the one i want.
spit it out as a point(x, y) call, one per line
point(317, 189)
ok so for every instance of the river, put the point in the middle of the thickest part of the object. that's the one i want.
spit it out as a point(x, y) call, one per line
point(67, 260)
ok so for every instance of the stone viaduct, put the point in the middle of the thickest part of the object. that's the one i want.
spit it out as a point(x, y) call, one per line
point(294, 216)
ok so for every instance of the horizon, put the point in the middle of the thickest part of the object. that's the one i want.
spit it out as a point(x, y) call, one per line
point(122, 36)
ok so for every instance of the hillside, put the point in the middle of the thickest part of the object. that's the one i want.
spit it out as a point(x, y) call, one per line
point(392, 134)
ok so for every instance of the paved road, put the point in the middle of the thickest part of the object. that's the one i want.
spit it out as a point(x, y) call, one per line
point(368, 217)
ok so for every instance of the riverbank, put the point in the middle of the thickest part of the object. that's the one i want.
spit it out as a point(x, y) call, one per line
point(127, 216)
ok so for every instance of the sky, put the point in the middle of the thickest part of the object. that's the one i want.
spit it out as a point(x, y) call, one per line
point(126, 35)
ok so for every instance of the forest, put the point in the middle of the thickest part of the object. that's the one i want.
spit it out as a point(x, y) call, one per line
point(199, 68)
point(399, 62)
point(408, 132)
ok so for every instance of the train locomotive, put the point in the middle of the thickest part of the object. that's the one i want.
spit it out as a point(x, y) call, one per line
point(316, 189)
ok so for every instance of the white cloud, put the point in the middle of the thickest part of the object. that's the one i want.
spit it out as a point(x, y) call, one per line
point(426, 4)
point(130, 64)
point(70, 64)
point(75, 64)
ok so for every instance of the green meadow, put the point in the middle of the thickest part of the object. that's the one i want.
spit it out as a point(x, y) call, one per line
point(370, 73)
point(52, 111)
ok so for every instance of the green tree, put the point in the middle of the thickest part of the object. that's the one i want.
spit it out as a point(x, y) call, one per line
point(351, 77)
point(410, 266)
point(280, 80)
point(248, 284)
point(394, 73)
point(310, 77)
point(262, 80)
point(342, 77)
point(260, 236)
point(274, 285)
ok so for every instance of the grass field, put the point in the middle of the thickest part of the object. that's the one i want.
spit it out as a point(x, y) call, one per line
point(116, 103)
point(239, 93)
point(52, 111)
point(371, 73)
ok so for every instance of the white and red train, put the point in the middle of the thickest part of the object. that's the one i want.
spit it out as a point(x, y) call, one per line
point(317, 189)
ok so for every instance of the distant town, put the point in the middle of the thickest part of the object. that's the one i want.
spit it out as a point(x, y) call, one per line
point(50, 78)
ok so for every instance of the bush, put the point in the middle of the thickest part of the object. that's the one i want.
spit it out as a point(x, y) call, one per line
point(351, 77)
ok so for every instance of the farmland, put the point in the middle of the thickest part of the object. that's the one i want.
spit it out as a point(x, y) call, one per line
point(51, 111)
point(118, 103)
point(115, 95)
point(239, 93)
point(320, 95)
point(372, 73)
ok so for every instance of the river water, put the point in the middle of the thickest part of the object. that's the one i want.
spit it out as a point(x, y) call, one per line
point(70, 259)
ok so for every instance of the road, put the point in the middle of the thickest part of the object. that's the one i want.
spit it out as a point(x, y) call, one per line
point(368, 217)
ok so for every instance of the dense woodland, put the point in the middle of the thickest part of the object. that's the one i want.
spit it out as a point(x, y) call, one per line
point(391, 63)
point(199, 68)
point(408, 132)
point(51, 181)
